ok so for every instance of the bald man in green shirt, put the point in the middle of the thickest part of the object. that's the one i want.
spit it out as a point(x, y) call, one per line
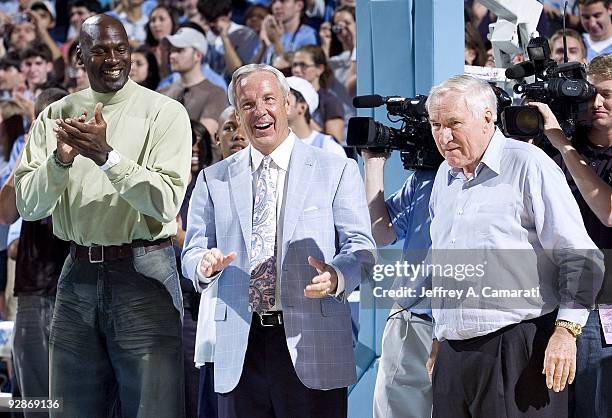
point(114, 184)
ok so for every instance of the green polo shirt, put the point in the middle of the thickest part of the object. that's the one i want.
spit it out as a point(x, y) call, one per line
point(136, 199)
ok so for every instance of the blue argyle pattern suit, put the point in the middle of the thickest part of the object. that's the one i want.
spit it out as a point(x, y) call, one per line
point(326, 216)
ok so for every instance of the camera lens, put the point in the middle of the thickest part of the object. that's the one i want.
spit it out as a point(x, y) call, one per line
point(522, 122)
point(527, 120)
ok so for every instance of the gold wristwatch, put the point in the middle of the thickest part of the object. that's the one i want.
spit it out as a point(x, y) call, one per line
point(574, 328)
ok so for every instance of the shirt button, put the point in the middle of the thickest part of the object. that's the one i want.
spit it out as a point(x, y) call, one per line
point(593, 163)
point(453, 240)
point(460, 212)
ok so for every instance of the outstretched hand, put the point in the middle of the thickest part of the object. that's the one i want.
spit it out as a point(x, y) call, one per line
point(214, 261)
point(323, 284)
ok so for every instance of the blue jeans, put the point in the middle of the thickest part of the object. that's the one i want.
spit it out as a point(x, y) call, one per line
point(593, 384)
point(116, 338)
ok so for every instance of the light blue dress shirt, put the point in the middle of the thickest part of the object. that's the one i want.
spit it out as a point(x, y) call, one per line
point(409, 212)
point(518, 199)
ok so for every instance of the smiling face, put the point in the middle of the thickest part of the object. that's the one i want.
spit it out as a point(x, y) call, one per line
point(105, 52)
point(595, 19)
point(262, 110)
point(461, 136)
point(345, 25)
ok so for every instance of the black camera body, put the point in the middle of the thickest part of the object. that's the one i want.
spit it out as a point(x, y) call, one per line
point(562, 86)
point(413, 139)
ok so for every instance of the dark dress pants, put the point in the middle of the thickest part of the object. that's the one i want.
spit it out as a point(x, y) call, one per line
point(207, 404)
point(497, 375)
point(269, 386)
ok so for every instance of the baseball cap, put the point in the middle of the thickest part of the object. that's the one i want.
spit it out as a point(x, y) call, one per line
point(307, 90)
point(45, 5)
point(188, 38)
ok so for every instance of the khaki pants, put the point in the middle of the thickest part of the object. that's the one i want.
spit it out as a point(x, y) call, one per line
point(402, 386)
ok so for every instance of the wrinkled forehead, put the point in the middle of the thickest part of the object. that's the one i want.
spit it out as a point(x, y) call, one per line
point(448, 100)
point(259, 82)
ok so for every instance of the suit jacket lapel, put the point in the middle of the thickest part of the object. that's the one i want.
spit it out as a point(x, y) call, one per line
point(241, 187)
point(301, 168)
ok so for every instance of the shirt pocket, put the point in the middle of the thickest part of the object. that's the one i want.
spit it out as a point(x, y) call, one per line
point(496, 219)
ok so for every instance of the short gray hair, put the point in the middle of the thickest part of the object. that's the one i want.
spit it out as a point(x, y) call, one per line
point(478, 94)
point(253, 68)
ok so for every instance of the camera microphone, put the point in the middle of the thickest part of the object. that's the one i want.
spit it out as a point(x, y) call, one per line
point(373, 100)
point(520, 70)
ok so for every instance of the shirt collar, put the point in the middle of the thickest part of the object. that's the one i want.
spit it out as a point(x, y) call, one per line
point(280, 155)
point(117, 96)
point(491, 158)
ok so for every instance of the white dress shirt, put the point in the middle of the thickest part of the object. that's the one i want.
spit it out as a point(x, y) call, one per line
point(518, 201)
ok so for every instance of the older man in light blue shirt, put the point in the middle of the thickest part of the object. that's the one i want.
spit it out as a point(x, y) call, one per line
point(494, 193)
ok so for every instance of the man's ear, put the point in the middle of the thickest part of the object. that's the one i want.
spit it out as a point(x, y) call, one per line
point(287, 106)
point(49, 67)
point(488, 117)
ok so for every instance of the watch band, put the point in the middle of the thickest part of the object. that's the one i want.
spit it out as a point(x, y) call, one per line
point(574, 328)
point(112, 160)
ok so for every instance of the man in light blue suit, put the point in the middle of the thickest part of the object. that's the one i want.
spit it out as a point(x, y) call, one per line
point(284, 229)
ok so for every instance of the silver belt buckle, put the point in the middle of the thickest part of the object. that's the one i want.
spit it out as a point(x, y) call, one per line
point(92, 260)
point(261, 319)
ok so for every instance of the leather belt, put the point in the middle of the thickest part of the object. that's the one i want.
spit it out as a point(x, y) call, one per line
point(269, 319)
point(102, 253)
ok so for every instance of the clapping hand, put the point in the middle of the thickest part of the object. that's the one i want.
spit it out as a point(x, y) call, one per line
point(87, 138)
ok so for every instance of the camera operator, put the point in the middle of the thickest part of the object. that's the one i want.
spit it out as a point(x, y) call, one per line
point(587, 163)
point(402, 378)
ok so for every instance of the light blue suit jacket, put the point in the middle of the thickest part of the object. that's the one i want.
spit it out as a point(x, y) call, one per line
point(326, 216)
